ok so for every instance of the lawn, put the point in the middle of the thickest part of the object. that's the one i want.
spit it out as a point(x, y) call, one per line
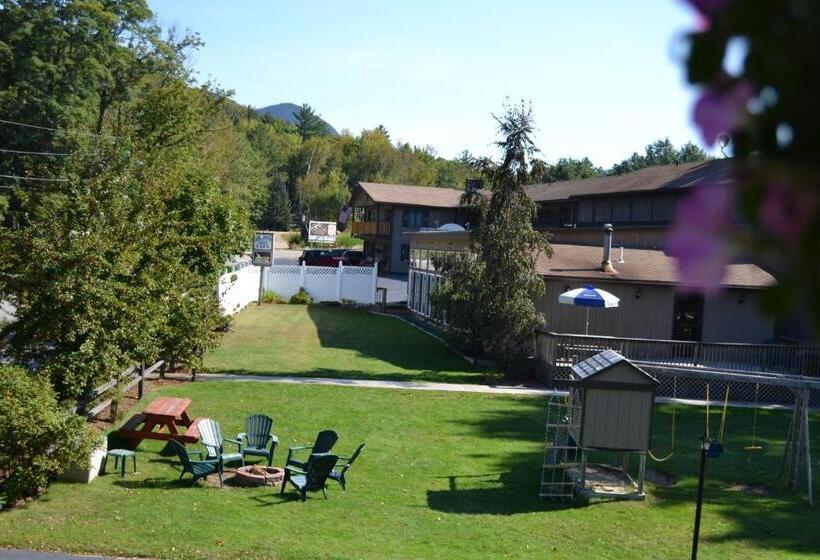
point(328, 341)
point(445, 475)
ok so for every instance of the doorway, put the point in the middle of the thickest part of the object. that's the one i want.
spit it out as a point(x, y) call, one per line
point(687, 317)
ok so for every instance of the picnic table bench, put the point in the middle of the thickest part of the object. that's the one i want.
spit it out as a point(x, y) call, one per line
point(163, 412)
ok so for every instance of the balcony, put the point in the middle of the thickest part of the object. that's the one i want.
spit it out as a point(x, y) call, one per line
point(370, 228)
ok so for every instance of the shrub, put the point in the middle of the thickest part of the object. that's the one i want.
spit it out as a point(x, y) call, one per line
point(272, 297)
point(294, 239)
point(302, 298)
point(347, 240)
point(39, 438)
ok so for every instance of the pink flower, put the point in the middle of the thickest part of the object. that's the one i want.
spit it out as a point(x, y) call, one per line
point(720, 111)
point(785, 210)
point(699, 239)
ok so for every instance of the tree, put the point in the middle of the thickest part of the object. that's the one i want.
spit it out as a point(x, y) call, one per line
point(565, 169)
point(659, 152)
point(489, 290)
point(308, 123)
point(279, 214)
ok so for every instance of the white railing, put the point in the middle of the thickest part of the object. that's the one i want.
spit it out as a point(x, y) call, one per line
point(325, 283)
point(420, 287)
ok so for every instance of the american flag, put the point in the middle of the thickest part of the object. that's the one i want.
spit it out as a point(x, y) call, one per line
point(345, 213)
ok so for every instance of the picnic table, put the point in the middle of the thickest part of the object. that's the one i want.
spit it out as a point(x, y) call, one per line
point(168, 413)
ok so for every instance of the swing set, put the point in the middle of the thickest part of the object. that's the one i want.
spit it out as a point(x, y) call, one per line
point(719, 440)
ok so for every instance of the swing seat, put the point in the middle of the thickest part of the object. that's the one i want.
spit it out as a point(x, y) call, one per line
point(715, 449)
point(753, 448)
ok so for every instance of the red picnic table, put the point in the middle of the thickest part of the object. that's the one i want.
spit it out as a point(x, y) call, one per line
point(163, 412)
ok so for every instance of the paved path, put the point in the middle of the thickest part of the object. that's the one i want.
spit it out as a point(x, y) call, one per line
point(371, 383)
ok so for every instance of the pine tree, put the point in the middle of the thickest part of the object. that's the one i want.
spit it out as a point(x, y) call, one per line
point(489, 291)
point(308, 123)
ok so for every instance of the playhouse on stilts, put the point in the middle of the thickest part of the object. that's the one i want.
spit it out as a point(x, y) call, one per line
point(592, 432)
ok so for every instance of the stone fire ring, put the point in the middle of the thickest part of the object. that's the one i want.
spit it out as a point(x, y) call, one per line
point(252, 475)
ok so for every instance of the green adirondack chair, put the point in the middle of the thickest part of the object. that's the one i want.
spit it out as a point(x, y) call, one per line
point(258, 439)
point(198, 469)
point(338, 474)
point(313, 477)
point(325, 440)
point(210, 436)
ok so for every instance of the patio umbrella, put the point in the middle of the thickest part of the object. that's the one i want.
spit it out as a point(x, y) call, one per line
point(588, 296)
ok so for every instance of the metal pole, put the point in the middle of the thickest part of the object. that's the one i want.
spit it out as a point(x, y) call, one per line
point(261, 284)
point(704, 444)
point(806, 397)
point(586, 329)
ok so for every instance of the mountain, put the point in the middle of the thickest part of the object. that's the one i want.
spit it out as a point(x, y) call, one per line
point(287, 112)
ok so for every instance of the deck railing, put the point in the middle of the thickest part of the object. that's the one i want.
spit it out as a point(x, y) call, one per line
point(556, 352)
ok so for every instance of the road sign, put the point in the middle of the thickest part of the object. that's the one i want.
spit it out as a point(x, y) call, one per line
point(262, 248)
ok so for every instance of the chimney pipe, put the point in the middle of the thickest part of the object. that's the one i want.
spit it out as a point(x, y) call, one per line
point(606, 264)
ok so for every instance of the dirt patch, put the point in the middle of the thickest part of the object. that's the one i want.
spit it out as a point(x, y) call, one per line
point(660, 479)
point(751, 489)
point(103, 419)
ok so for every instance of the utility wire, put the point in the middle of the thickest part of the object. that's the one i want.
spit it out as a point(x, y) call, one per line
point(26, 152)
point(4, 121)
point(58, 179)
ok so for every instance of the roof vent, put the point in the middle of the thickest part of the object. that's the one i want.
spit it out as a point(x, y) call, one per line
point(606, 263)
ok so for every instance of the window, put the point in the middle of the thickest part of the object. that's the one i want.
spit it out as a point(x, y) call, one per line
point(642, 209)
point(663, 208)
point(414, 218)
point(586, 211)
point(405, 252)
point(621, 210)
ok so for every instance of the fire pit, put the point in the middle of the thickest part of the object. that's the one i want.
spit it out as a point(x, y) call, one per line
point(256, 475)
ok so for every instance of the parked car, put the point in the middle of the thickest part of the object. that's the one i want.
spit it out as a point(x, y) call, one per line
point(354, 257)
point(317, 257)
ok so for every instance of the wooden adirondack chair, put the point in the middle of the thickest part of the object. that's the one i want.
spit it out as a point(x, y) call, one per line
point(325, 441)
point(313, 477)
point(210, 436)
point(258, 439)
point(198, 469)
point(345, 462)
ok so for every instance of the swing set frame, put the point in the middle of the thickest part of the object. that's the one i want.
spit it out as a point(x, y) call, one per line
point(797, 455)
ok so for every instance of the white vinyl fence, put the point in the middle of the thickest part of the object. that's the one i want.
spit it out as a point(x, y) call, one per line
point(239, 287)
point(325, 283)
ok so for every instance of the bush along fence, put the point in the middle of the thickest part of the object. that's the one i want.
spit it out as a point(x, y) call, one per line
point(324, 283)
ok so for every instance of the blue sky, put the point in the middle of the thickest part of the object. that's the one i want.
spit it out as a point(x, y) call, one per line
point(601, 75)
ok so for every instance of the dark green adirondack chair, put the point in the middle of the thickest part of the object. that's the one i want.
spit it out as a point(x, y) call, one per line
point(325, 441)
point(198, 469)
point(210, 436)
point(258, 439)
point(338, 474)
point(313, 477)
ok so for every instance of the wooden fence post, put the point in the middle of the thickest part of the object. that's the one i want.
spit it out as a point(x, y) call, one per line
point(141, 384)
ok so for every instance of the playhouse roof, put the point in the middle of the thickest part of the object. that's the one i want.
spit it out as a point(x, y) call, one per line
point(601, 362)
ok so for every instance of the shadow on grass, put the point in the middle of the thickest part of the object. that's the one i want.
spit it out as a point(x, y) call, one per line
point(432, 376)
point(386, 339)
point(514, 488)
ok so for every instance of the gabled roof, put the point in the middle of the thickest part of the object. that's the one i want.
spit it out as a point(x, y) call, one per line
point(411, 195)
point(659, 178)
point(648, 266)
point(601, 362)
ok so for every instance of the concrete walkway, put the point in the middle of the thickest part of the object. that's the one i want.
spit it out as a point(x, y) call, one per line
point(374, 384)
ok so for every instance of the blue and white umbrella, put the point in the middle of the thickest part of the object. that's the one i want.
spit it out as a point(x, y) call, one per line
point(588, 296)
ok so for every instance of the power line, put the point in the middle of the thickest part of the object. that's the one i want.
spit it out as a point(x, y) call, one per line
point(26, 152)
point(4, 121)
point(58, 179)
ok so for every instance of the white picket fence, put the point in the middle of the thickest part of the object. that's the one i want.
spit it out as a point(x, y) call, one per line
point(325, 283)
point(239, 287)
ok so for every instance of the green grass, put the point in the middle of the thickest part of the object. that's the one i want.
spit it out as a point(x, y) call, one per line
point(327, 341)
point(445, 475)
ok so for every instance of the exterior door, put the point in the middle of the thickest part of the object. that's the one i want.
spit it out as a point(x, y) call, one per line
point(687, 317)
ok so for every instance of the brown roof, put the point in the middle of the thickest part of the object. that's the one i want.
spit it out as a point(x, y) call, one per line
point(639, 266)
point(410, 195)
point(657, 178)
